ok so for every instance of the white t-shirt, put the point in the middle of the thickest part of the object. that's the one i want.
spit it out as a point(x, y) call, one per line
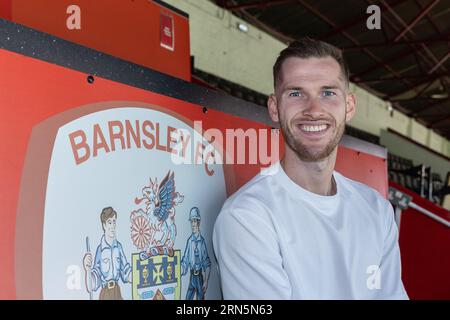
point(276, 240)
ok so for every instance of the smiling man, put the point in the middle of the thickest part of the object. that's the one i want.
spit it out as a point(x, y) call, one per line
point(301, 230)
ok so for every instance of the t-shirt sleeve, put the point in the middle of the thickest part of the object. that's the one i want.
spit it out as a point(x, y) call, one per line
point(390, 267)
point(248, 254)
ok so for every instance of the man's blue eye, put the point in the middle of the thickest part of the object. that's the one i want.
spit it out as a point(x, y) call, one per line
point(328, 93)
point(294, 94)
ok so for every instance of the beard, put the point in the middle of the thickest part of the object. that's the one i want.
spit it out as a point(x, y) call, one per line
point(308, 154)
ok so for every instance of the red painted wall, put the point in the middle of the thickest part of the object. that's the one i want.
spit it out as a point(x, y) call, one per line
point(128, 29)
point(5, 9)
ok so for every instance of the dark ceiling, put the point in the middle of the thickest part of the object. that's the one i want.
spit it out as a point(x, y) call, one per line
point(406, 62)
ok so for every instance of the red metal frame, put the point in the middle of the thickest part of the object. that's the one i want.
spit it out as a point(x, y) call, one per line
point(416, 20)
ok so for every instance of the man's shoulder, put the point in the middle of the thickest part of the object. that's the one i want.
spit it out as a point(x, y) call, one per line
point(249, 204)
point(362, 191)
point(249, 211)
point(190, 238)
point(255, 191)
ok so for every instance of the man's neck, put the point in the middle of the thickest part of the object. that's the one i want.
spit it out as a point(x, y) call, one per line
point(316, 177)
point(109, 240)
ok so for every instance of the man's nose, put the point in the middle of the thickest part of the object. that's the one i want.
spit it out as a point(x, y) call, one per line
point(313, 108)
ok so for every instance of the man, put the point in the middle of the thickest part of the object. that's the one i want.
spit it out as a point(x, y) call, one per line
point(110, 262)
point(196, 259)
point(301, 230)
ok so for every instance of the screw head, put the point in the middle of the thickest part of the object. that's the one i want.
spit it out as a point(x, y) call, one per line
point(90, 79)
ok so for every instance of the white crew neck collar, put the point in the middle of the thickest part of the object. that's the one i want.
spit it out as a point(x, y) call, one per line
point(297, 191)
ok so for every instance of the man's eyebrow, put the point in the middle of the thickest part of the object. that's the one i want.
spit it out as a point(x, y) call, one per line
point(330, 87)
point(326, 87)
point(293, 88)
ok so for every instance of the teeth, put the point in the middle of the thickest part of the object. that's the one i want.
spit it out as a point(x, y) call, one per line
point(313, 128)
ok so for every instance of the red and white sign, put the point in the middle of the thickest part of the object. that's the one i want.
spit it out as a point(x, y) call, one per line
point(167, 32)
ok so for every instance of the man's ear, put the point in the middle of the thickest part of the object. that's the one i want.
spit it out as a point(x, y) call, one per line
point(350, 106)
point(273, 108)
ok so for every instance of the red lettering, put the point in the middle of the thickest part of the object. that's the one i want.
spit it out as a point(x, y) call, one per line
point(99, 140)
point(158, 146)
point(76, 146)
point(184, 143)
point(170, 139)
point(116, 135)
point(209, 172)
point(148, 134)
point(199, 153)
point(135, 133)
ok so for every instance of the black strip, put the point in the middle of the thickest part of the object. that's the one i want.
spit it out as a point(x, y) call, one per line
point(172, 8)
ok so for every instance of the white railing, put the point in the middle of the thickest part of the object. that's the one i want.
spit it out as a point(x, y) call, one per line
point(429, 213)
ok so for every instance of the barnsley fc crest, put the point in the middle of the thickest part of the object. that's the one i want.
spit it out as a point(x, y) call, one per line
point(153, 231)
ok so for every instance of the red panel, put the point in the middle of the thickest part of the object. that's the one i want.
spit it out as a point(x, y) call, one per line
point(425, 250)
point(364, 168)
point(130, 30)
point(5, 9)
